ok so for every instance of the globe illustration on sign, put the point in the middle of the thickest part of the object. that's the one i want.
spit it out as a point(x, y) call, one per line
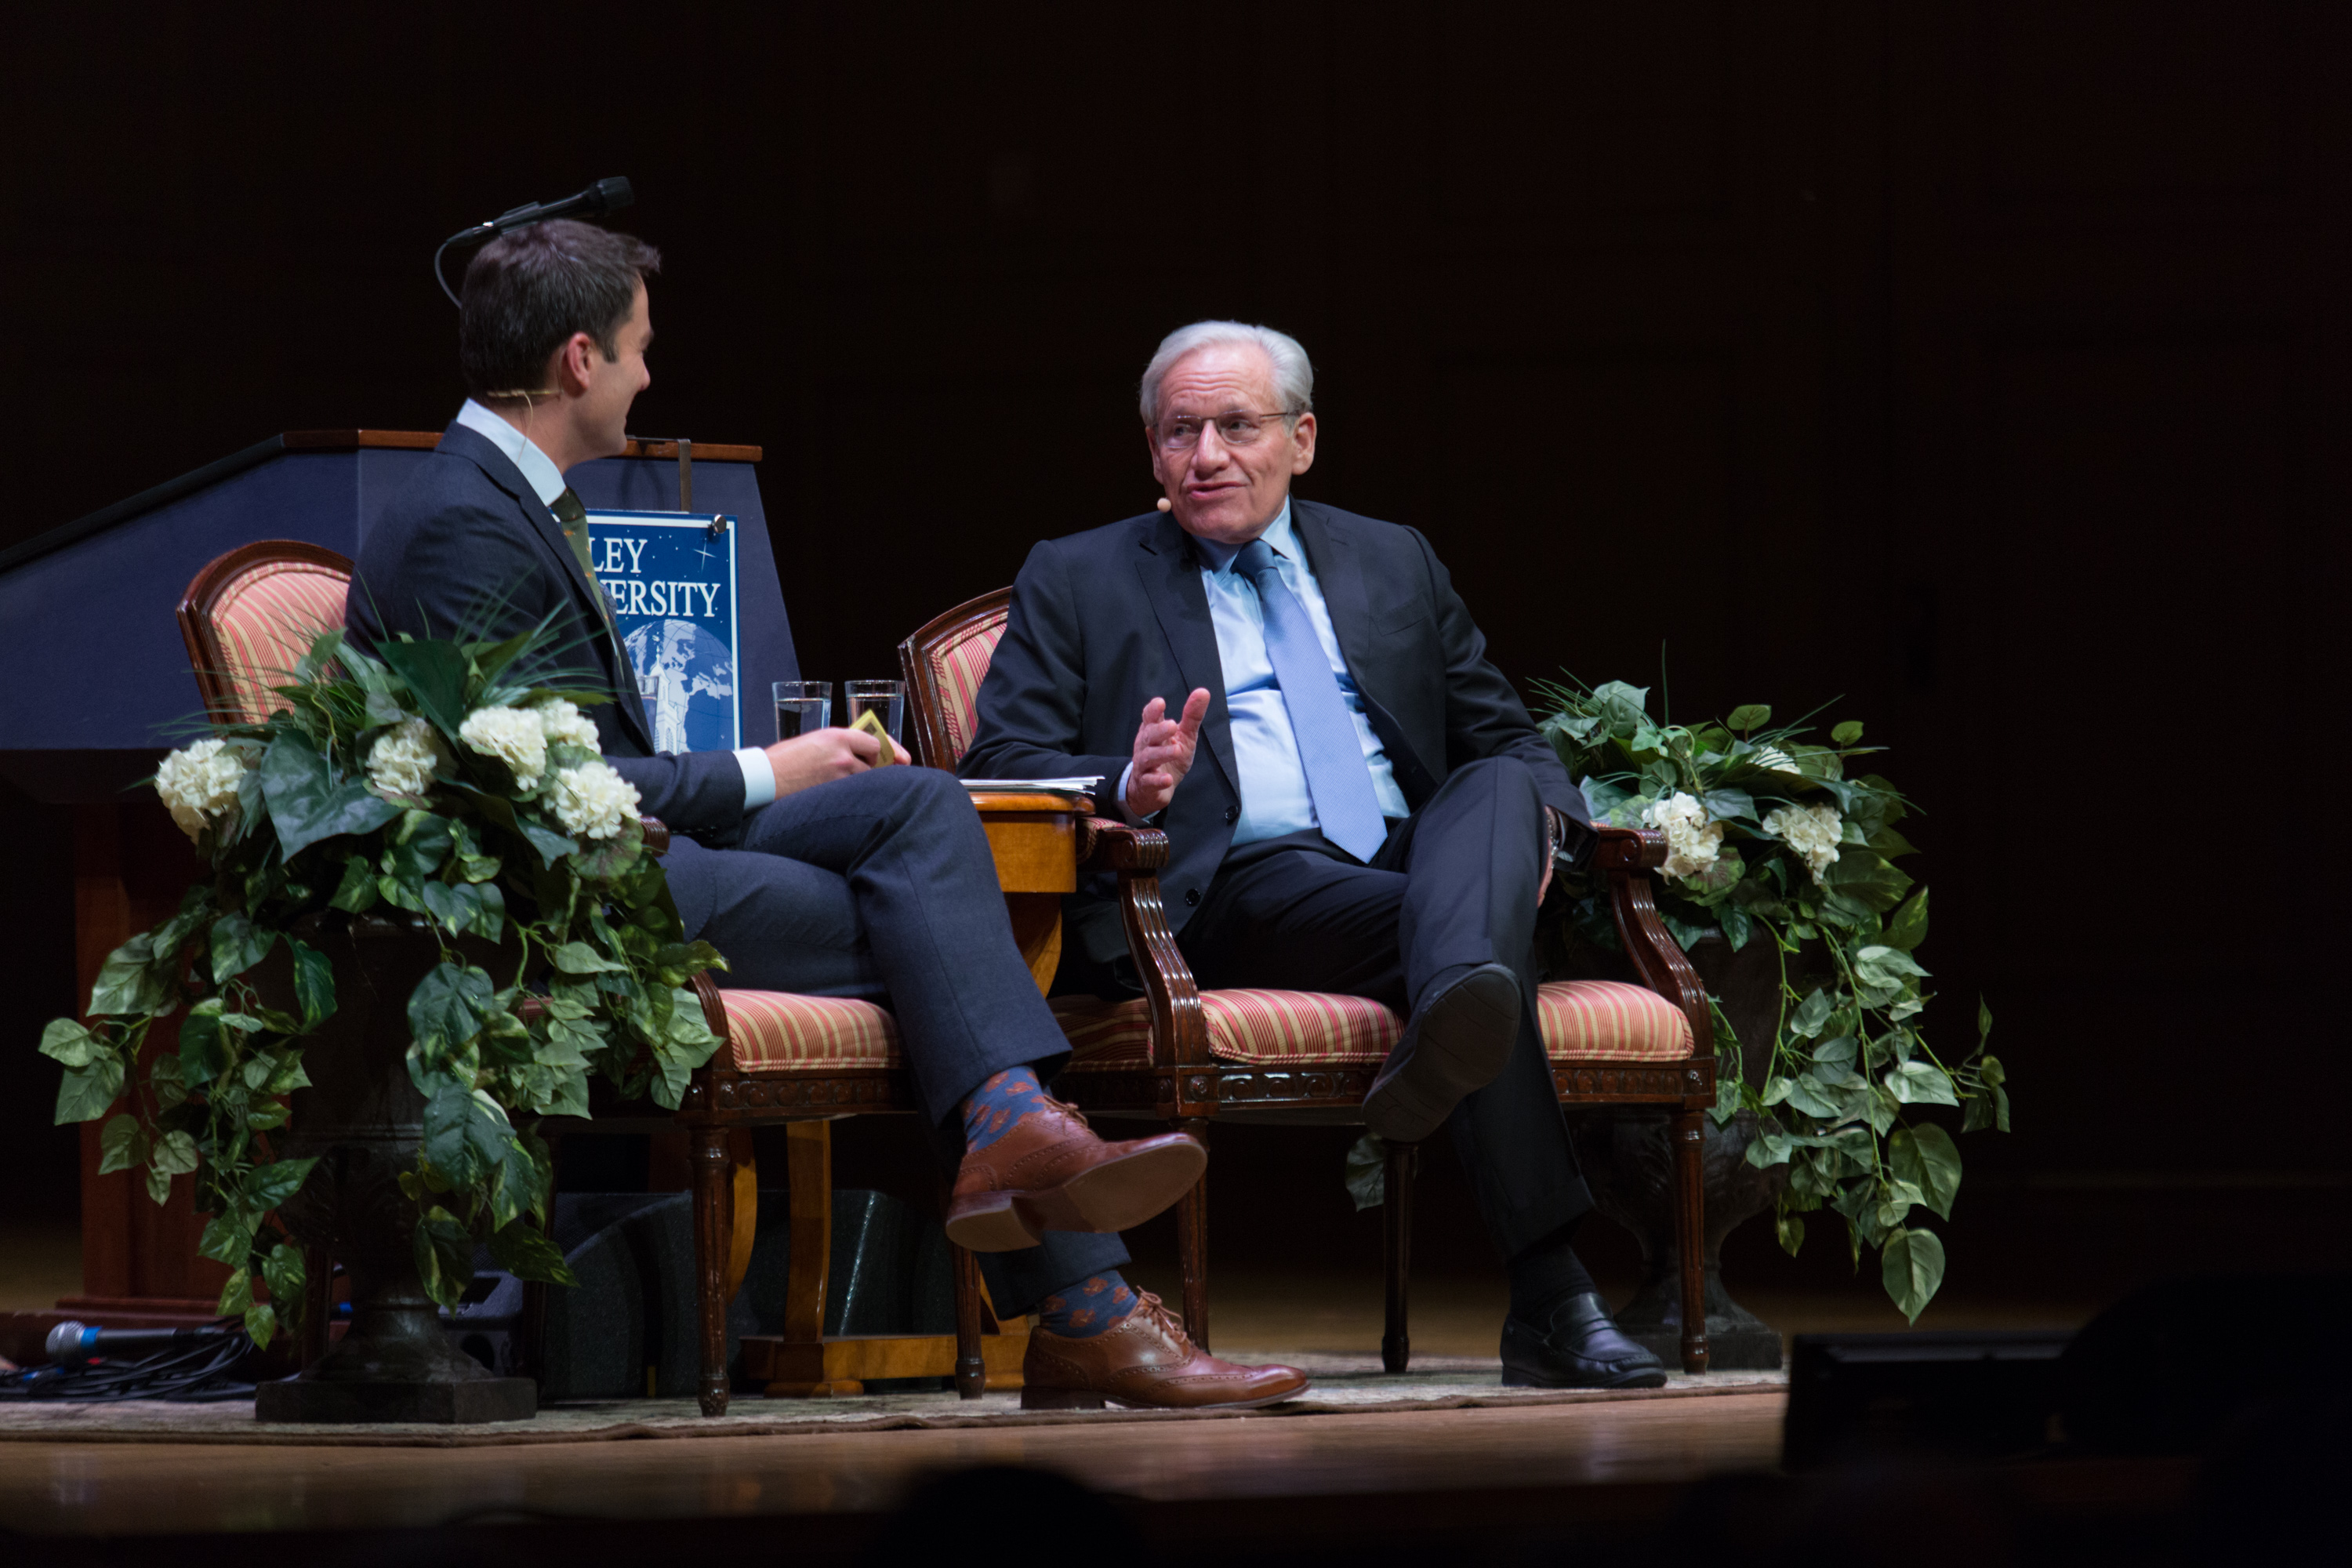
point(696, 676)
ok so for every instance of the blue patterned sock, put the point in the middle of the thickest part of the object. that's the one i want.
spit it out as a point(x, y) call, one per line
point(1094, 1304)
point(990, 1110)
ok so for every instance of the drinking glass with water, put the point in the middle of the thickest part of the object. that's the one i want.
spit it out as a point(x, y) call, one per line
point(802, 707)
point(885, 699)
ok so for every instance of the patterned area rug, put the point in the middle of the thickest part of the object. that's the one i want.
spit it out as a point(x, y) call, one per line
point(1343, 1386)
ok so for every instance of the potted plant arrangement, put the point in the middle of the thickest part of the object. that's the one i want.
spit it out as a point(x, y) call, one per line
point(1780, 882)
point(432, 914)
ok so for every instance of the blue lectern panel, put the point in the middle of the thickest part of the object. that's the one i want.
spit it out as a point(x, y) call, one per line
point(97, 676)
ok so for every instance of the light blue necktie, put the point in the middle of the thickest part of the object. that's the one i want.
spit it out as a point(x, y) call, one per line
point(1337, 775)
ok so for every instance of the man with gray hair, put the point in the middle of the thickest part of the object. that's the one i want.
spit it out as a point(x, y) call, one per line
point(1376, 814)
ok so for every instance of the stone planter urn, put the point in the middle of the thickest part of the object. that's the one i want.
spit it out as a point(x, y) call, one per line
point(363, 1119)
point(1628, 1162)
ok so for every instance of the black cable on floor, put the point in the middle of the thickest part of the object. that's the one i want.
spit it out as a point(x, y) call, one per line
point(184, 1373)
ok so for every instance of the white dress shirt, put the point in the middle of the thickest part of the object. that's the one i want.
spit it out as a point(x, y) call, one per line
point(1273, 783)
point(546, 482)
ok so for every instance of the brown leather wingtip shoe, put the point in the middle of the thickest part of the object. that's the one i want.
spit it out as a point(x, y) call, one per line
point(1051, 1173)
point(1146, 1362)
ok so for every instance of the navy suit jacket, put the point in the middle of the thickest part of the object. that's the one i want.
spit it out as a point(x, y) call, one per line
point(1104, 621)
point(466, 549)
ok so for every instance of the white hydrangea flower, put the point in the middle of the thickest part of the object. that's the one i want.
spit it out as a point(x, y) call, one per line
point(403, 759)
point(198, 784)
point(564, 724)
point(1812, 831)
point(592, 801)
point(1773, 760)
point(1693, 842)
point(513, 736)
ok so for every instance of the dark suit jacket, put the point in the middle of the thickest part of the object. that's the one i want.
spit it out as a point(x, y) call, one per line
point(465, 548)
point(1103, 622)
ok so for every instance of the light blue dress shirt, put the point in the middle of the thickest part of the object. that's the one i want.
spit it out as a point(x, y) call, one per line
point(1275, 800)
point(546, 482)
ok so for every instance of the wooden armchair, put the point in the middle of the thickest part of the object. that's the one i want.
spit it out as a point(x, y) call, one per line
point(1190, 1056)
point(802, 1062)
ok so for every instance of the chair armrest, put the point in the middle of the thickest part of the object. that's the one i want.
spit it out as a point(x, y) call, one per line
point(1627, 856)
point(1107, 846)
point(1180, 1035)
point(656, 835)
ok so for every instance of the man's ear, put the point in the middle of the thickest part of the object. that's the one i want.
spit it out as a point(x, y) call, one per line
point(1303, 458)
point(575, 363)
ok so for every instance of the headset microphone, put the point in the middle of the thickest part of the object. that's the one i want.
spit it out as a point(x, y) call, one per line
point(603, 196)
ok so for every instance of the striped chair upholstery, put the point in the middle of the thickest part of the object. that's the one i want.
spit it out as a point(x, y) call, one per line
point(958, 665)
point(780, 1032)
point(265, 619)
point(1582, 1021)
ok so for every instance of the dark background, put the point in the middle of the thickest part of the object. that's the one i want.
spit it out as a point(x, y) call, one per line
point(1972, 368)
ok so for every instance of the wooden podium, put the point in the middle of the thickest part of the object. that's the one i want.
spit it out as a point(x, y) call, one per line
point(100, 689)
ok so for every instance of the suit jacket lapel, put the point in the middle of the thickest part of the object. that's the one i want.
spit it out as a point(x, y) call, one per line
point(541, 522)
point(1171, 581)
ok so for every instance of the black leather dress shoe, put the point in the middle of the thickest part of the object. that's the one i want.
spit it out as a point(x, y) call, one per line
point(1457, 1041)
point(1580, 1347)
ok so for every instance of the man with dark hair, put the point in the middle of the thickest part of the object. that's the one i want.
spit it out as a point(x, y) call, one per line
point(809, 869)
point(1355, 799)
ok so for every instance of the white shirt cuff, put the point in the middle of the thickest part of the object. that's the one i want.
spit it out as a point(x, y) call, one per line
point(759, 777)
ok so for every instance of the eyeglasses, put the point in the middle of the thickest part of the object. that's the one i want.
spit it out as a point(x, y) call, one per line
point(1183, 433)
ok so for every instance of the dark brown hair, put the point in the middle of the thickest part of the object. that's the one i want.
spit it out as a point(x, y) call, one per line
point(527, 291)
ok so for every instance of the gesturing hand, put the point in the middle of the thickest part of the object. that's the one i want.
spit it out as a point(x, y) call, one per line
point(820, 757)
point(1163, 752)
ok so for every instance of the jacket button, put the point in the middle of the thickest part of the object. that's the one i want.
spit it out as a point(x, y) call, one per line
point(1192, 895)
point(1232, 815)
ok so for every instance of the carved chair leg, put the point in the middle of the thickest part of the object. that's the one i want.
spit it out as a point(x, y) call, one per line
point(1192, 1243)
point(1396, 1237)
point(713, 1169)
point(971, 1365)
point(1690, 1234)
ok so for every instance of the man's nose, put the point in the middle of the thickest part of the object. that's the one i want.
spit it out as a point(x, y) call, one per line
point(1211, 451)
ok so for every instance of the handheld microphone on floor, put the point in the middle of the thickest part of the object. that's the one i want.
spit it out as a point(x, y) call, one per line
point(72, 1341)
point(603, 196)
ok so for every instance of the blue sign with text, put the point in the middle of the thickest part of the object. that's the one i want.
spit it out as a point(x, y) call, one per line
point(671, 576)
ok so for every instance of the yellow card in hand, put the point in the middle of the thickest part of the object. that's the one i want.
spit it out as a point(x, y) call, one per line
point(873, 726)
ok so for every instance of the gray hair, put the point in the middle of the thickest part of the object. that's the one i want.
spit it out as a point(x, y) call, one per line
point(1294, 377)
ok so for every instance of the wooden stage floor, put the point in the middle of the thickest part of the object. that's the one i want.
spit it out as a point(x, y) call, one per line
point(172, 1488)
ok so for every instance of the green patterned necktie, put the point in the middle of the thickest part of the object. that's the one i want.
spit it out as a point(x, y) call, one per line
point(573, 516)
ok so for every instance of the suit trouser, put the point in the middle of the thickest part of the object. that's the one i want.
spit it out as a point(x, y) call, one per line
point(1455, 884)
point(881, 887)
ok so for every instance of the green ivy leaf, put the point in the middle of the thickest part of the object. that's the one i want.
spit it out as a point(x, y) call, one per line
point(415, 849)
point(159, 1185)
point(237, 945)
point(267, 1186)
point(524, 1251)
point(1811, 1014)
point(204, 1053)
point(120, 1143)
point(579, 958)
point(1911, 1265)
point(1746, 717)
point(446, 1009)
point(1908, 927)
point(444, 1256)
point(1920, 1083)
point(305, 803)
point(134, 981)
point(454, 905)
point(70, 1043)
point(1723, 805)
point(175, 1153)
point(285, 1273)
point(1790, 1228)
point(314, 982)
point(435, 673)
point(1847, 733)
point(1926, 1157)
point(228, 1239)
point(88, 1092)
point(1866, 877)
point(237, 1294)
point(357, 891)
point(260, 1322)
